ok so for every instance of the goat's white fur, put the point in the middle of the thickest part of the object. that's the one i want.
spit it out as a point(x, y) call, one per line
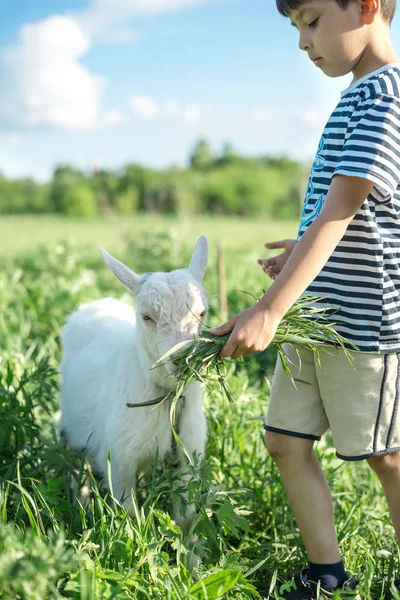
point(108, 350)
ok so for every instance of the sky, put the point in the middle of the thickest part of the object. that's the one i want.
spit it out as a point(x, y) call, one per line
point(101, 83)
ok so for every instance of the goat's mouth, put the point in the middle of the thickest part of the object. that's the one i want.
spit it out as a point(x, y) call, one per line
point(170, 361)
point(167, 370)
point(170, 381)
point(173, 372)
point(172, 368)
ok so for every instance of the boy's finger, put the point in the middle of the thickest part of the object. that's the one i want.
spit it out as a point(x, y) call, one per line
point(267, 262)
point(230, 347)
point(272, 245)
point(266, 269)
point(227, 350)
point(224, 328)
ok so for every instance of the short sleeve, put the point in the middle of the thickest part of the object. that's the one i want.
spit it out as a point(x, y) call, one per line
point(372, 145)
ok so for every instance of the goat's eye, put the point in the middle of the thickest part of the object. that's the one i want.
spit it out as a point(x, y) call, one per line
point(147, 319)
point(203, 314)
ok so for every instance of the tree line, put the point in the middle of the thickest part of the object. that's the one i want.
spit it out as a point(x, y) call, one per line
point(227, 184)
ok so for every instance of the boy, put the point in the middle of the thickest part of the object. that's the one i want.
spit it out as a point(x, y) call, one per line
point(348, 250)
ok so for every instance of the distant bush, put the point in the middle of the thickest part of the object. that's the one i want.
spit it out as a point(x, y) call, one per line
point(127, 202)
point(80, 201)
point(218, 184)
point(23, 196)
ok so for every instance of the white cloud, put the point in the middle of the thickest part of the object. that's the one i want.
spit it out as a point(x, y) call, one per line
point(144, 107)
point(117, 35)
point(148, 108)
point(44, 85)
point(101, 14)
point(114, 118)
point(192, 113)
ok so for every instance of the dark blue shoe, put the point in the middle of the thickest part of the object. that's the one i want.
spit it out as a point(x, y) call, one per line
point(395, 590)
point(301, 588)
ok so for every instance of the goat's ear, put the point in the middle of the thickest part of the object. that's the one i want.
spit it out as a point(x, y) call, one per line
point(127, 277)
point(199, 261)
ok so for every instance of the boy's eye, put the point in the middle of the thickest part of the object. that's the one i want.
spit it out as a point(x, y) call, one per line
point(314, 23)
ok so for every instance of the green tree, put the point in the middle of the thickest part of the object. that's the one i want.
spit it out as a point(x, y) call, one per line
point(80, 201)
point(136, 176)
point(201, 157)
point(65, 180)
point(20, 196)
point(106, 185)
point(228, 157)
point(127, 202)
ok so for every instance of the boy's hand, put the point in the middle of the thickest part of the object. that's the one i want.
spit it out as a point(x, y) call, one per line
point(252, 331)
point(273, 266)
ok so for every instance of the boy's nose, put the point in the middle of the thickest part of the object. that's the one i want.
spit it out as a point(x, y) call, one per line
point(304, 43)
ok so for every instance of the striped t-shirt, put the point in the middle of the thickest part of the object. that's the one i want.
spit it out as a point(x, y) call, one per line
point(362, 276)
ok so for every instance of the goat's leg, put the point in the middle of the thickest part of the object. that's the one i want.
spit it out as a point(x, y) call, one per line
point(80, 486)
point(123, 485)
point(192, 434)
point(79, 481)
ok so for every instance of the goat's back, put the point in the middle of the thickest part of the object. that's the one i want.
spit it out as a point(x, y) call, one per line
point(99, 320)
point(98, 350)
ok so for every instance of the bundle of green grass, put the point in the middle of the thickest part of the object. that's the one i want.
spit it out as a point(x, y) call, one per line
point(306, 323)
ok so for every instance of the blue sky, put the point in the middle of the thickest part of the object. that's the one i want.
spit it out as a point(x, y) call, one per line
point(106, 82)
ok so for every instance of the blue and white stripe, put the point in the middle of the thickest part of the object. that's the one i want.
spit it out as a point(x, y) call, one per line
point(362, 277)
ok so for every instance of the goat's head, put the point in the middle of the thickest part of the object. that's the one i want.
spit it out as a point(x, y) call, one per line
point(170, 307)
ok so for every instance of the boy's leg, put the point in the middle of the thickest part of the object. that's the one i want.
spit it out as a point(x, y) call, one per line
point(296, 419)
point(308, 494)
point(362, 405)
point(387, 468)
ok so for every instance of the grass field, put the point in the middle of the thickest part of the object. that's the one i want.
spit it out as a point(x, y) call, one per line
point(19, 235)
point(52, 548)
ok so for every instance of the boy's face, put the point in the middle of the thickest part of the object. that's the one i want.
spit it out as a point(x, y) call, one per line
point(333, 38)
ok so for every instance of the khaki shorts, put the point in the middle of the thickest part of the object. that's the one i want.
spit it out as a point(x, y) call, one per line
point(360, 406)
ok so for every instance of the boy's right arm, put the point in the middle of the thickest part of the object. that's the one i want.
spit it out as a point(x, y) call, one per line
point(253, 329)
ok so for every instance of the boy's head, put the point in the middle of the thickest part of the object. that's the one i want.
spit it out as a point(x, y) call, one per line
point(342, 36)
point(388, 7)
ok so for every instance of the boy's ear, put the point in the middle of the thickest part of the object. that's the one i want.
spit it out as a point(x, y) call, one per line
point(369, 10)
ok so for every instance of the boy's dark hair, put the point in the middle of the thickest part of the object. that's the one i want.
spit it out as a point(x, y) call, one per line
point(286, 6)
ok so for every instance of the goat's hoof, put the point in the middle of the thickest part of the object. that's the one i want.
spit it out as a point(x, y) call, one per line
point(194, 562)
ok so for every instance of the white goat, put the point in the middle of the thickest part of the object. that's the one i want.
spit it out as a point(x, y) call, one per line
point(108, 352)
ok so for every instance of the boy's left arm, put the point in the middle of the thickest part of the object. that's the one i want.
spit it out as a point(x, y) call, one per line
point(253, 329)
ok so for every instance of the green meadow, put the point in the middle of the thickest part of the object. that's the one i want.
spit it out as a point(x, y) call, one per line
point(21, 234)
point(53, 547)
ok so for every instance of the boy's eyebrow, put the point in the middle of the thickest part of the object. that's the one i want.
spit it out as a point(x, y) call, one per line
point(300, 16)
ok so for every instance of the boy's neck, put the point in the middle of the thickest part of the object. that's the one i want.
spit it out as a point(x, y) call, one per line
point(376, 55)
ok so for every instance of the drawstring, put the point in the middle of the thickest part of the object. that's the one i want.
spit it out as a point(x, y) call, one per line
point(150, 402)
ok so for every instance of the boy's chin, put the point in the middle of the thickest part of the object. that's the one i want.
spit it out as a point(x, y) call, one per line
point(334, 72)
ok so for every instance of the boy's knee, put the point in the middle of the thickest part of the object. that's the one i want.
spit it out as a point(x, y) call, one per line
point(282, 447)
point(274, 445)
point(385, 464)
